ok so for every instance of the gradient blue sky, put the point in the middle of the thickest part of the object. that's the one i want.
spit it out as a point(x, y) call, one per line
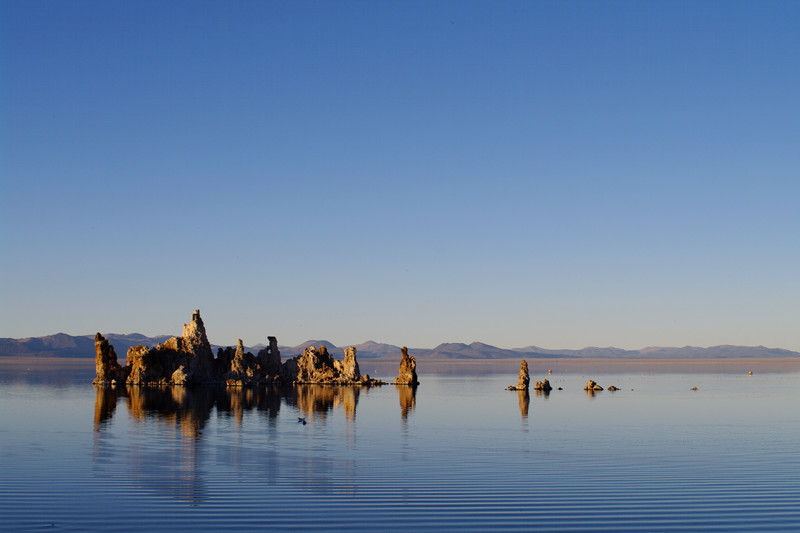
point(554, 173)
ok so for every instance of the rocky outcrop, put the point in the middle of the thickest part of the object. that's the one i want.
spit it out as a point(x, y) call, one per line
point(543, 385)
point(348, 367)
point(197, 348)
point(270, 358)
point(524, 379)
point(108, 370)
point(316, 365)
point(407, 374)
point(591, 385)
point(178, 361)
point(244, 368)
point(188, 359)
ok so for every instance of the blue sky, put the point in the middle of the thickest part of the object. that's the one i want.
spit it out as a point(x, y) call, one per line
point(563, 174)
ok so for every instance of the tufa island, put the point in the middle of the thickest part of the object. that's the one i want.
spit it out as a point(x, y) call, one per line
point(188, 360)
point(524, 380)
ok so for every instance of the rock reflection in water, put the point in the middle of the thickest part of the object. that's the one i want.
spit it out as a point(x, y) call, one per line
point(105, 403)
point(188, 408)
point(542, 393)
point(236, 401)
point(524, 399)
point(173, 470)
point(319, 400)
point(170, 465)
point(408, 399)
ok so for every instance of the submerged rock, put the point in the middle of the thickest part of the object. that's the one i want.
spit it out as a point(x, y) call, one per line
point(524, 379)
point(407, 374)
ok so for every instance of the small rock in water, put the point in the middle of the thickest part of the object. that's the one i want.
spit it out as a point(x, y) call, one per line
point(523, 379)
point(592, 385)
point(693, 388)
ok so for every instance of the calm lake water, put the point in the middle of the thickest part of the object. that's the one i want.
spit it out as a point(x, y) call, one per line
point(459, 453)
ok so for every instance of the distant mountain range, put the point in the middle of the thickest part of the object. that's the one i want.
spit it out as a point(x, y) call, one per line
point(63, 345)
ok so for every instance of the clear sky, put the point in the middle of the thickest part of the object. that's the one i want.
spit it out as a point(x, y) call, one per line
point(563, 174)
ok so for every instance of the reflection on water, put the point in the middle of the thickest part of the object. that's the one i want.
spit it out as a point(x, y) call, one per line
point(542, 394)
point(524, 399)
point(408, 399)
point(189, 408)
point(185, 408)
point(318, 400)
point(172, 464)
point(212, 459)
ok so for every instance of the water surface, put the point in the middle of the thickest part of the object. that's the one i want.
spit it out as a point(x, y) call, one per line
point(457, 453)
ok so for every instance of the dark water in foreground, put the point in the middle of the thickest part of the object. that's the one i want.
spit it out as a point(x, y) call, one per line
point(461, 453)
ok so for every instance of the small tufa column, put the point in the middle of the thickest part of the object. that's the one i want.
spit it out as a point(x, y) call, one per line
point(105, 361)
point(407, 374)
point(524, 379)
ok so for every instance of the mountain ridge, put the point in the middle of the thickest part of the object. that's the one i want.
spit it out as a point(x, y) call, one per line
point(73, 346)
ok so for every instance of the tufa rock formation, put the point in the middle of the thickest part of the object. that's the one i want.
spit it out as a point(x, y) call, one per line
point(178, 361)
point(188, 359)
point(270, 358)
point(524, 379)
point(348, 367)
point(591, 385)
point(316, 365)
point(105, 360)
point(543, 385)
point(407, 374)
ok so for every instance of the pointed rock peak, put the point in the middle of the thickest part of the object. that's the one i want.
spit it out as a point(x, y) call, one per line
point(195, 342)
point(195, 329)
